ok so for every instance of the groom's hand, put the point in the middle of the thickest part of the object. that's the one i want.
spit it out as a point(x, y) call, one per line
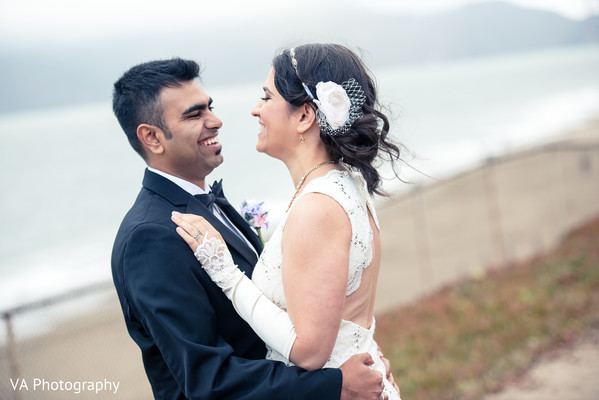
point(359, 380)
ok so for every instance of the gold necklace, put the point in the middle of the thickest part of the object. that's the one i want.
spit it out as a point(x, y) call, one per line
point(301, 182)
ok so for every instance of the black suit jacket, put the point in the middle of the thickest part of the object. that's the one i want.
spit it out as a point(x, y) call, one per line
point(193, 343)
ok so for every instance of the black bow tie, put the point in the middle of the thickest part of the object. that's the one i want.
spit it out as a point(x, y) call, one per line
point(215, 195)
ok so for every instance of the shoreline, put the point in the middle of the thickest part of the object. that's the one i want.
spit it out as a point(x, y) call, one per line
point(582, 131)
point(431, 236)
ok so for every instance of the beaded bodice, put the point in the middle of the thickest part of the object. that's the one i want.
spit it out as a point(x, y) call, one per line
point(349, 190)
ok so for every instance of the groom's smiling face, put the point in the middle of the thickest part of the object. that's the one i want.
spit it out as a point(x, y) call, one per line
point(193, 150)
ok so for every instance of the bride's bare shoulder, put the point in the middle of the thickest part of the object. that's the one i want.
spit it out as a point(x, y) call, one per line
point(318, 216)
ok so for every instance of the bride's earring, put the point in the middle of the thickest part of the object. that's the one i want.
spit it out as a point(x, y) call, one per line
point(302, 139)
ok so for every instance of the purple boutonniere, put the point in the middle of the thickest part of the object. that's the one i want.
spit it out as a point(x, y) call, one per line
point(255, 215)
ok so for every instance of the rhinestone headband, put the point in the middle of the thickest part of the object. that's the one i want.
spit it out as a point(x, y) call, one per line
point(338, 105)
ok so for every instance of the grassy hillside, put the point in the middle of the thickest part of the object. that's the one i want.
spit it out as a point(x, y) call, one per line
point(473, 337)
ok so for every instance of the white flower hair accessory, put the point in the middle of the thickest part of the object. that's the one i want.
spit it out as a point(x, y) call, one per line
point(338, 105)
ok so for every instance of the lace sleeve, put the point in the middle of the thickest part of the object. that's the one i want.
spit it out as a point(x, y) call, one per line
point(216, 260)
point(270, 323)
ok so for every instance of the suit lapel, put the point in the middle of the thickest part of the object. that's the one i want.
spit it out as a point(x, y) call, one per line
point(179, 197)
point(165, 188)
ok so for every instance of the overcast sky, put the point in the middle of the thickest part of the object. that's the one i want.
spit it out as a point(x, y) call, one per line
point(35, 22)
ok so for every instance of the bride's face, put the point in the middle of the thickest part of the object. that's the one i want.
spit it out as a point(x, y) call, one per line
point(277, 122)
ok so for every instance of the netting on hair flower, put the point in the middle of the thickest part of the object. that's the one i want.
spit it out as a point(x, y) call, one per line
point(339, 105)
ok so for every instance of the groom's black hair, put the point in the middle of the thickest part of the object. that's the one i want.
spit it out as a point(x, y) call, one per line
point(136, 95)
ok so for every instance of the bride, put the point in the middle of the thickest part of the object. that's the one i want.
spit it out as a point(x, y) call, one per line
point(311, 297)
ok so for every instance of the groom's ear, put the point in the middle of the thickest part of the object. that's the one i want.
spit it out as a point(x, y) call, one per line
point(307, 117)
point(151, 138)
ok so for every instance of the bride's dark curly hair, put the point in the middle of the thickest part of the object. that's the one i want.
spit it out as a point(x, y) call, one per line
point(367, 138)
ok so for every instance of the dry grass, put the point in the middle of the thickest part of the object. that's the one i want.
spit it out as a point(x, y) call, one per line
point(473, 337)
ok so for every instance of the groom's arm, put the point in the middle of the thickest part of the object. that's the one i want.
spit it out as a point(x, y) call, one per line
point(169, 296)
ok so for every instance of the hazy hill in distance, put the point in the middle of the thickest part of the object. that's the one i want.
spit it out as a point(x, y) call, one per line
point(55, 76)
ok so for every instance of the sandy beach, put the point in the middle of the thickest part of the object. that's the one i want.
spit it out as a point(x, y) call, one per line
point(506, 210)
point(565, 373)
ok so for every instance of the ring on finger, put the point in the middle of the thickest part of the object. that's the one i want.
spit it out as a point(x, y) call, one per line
point(197, 235)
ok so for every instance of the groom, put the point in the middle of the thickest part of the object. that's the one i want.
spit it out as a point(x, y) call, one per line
point(193, 343)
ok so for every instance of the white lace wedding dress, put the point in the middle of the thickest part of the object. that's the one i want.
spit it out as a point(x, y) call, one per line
point(350, 192)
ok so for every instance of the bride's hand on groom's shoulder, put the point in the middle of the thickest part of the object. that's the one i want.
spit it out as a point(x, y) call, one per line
point(194, 229)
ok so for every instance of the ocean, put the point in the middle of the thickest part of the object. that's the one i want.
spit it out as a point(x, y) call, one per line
point(69, 176)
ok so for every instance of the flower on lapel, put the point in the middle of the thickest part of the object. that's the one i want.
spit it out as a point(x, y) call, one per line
point(255, 215)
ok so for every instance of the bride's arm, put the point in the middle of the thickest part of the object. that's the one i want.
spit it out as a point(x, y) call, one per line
point(319, 234)
point(316, 243)
point(271, 323)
